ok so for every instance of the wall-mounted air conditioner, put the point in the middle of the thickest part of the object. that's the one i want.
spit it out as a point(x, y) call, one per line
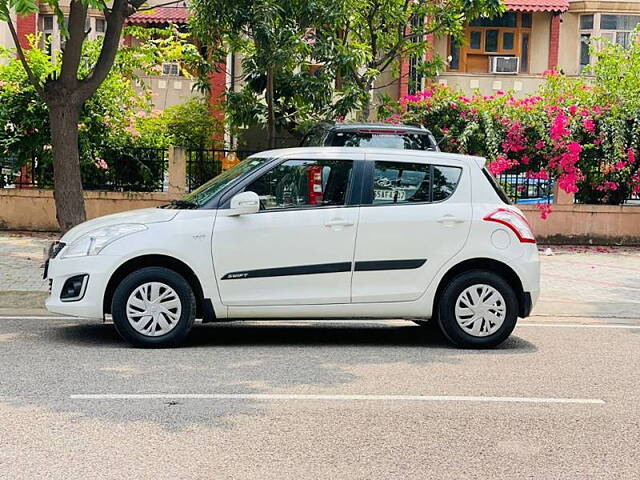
point(504, 65)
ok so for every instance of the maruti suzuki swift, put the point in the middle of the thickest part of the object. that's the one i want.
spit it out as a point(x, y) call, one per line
point(320, 232)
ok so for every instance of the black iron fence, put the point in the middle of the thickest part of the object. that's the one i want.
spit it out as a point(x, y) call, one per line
point(204, 164)
point(524, 187)
point(595, 190)
point(116, 169)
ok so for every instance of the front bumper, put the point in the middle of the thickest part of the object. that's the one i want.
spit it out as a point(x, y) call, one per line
point(99, 269)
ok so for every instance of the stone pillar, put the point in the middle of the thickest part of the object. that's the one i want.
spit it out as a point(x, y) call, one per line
point(177, 171)
point(560, 197)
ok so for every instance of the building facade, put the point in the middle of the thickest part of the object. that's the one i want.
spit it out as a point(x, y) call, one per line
point(512, 52)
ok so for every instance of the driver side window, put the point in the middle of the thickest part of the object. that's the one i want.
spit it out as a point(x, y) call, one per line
point(304, 183)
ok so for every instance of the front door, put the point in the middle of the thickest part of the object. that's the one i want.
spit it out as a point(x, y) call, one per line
point(298, 249)
point(418, 216)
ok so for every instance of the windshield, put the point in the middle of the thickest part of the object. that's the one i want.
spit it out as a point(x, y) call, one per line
point(207, 191)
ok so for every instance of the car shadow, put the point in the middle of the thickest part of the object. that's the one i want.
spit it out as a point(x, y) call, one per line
point(296, 333)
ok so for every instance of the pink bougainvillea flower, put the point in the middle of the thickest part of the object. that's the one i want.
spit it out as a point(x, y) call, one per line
point(574, 148)
point(573, 109)
point(608, 186)
point(568, 182)
point(620, 165)
point(559, 127)
point(500, 164)
point(589, 125)
point(544, 209)
point(631, 156)
point(101, 164)
point(540, 145)
point(541, 175)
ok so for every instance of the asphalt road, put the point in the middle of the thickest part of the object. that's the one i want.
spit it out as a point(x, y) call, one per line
point(359, 400)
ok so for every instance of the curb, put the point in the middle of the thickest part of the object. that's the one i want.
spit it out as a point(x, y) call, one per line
point(23, 299)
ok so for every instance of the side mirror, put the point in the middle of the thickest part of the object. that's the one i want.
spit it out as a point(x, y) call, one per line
point(244, 203)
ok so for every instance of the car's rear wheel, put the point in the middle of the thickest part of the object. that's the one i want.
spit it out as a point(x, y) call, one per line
point(478, 309)
point(154, 307)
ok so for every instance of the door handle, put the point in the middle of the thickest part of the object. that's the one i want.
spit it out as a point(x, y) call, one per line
point(450, 220)
point(338, 222)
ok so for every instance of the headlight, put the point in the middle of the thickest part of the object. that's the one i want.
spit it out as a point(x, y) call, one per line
point(93, 242)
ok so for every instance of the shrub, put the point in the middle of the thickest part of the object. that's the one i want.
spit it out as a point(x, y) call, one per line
point(584, 133)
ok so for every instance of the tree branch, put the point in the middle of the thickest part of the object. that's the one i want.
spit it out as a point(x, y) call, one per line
point(73, 48)
point(32, 78)
point(115, 18)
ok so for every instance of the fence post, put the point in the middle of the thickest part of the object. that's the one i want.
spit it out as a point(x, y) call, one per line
point(177, 171)
point(560, 197)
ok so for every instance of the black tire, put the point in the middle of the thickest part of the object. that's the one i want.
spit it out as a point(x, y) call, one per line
point(154, 274)
point(447, 302)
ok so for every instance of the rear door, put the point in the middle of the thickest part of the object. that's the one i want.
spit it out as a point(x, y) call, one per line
point(415, 217)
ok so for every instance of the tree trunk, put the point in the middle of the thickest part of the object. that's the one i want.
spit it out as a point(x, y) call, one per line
point(67, 182)
point(271, 115)
point(366, 109)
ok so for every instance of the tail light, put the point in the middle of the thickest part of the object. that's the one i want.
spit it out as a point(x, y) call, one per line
point(315, 185)
point(514, 221)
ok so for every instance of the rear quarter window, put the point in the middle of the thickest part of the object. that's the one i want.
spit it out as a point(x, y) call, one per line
point(496, 187)
point(445, 181)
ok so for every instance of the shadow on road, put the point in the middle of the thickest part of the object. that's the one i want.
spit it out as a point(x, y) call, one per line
point(312, 334)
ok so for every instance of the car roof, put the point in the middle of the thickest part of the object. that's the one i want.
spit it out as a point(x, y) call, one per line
point(417, 156)
point(376, 126)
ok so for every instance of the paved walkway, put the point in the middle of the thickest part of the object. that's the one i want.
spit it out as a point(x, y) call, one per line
point(21, 258)
point(576, 281)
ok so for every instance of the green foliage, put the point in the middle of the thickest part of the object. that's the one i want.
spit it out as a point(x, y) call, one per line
point(116, 117)
point(582, 132)
point(354, 42)
point(104, 118)
point(189, 125)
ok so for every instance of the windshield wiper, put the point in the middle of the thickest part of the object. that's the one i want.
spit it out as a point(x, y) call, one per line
point(180, 204)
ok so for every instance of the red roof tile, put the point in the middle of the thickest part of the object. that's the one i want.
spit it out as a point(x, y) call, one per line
point(160, 15)
point(537, 5)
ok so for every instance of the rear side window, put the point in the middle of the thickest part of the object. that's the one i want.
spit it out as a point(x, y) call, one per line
point(402, 141)
point(399, 182)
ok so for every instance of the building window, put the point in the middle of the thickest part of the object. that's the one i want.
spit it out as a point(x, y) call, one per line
point(415, 63)
point(507, 36)
point(48, 37)
point(101, 26)
point(619, 29)
point(170, 69)
point(524, 53)
point(586, 22)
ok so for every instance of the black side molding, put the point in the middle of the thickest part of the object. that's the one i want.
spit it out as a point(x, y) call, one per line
point(286, 271)
point(367, 266)
point(373, 265)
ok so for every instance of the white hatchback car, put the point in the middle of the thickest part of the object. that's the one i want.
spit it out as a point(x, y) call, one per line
point(310, 233)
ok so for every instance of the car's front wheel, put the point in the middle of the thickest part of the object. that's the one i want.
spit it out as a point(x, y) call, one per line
point(154, 307)
point(478, 309)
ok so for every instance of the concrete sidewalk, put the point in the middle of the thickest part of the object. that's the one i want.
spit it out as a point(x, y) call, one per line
point(600, 282)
